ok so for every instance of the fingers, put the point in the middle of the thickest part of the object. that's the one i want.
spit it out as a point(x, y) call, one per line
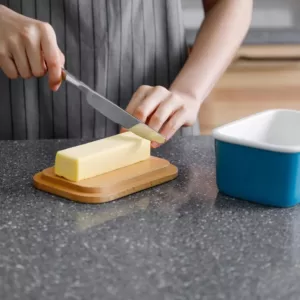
point(20, 58)
point(154, 106)
point(8, 67)
point(174, 123)
point(166, 109)
point(62, 59)
point(28, 47)
point(163, 110)
point(148, 104)
point(123, 130)
point(137, 98)
point(52, 56)
point(34, 54)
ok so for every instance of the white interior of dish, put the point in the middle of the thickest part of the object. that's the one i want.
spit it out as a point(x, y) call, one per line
point(277, 130)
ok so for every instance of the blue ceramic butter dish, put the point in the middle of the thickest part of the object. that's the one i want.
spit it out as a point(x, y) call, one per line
point(258, 158)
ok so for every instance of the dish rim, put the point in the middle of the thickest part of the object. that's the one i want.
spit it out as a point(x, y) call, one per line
point(218, 134)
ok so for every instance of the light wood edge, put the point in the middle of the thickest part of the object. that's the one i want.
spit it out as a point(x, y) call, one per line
point(269, 51)
point(170, 173)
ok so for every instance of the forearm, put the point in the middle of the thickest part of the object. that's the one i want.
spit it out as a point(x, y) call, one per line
point(221, 34)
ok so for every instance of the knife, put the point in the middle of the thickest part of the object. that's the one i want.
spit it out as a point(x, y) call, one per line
point(113, 111)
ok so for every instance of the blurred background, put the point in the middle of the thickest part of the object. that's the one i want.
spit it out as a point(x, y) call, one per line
point(266, 71)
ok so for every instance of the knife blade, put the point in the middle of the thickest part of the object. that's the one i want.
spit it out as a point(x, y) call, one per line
point(113, 111)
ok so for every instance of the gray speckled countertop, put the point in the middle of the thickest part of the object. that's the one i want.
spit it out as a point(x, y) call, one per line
point(181, 240)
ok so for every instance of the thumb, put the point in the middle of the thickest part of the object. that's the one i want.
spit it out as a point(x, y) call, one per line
point(62, 59)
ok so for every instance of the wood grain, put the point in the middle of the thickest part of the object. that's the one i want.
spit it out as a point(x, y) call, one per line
point(251, 86)
point(109, 186)
point(269, 51)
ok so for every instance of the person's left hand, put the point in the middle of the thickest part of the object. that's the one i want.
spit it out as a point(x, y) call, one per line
point(164, 110)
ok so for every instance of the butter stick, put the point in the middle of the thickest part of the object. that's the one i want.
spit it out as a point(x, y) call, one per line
point(102, 156)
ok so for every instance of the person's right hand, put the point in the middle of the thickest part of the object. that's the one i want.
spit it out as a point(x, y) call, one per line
point(29, 48)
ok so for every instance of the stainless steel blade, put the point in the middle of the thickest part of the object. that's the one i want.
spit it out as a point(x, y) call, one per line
point(113, 111)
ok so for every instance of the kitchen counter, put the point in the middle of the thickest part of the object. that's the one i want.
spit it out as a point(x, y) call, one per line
point(181, 240)
point(264, 36)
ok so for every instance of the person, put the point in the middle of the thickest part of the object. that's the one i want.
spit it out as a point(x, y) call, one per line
point(133, 52)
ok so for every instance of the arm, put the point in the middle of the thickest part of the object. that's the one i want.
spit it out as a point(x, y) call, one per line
point(225, 26)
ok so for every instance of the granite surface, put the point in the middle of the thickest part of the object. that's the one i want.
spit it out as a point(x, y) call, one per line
point(181, 240)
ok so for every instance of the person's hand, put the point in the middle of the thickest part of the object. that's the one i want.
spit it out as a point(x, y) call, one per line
point(28, 48)
point(165, 111)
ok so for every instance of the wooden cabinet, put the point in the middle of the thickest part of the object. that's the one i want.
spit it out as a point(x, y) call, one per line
point(260, 78)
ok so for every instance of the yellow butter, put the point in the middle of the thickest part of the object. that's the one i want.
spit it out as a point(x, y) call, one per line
point(102, 156)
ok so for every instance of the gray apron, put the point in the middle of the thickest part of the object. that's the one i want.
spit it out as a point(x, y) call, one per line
point(114, 46)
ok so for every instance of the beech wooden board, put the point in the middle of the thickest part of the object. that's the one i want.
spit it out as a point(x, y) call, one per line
point(110, 186)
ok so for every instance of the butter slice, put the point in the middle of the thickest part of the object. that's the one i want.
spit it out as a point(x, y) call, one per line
point(102, 156)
